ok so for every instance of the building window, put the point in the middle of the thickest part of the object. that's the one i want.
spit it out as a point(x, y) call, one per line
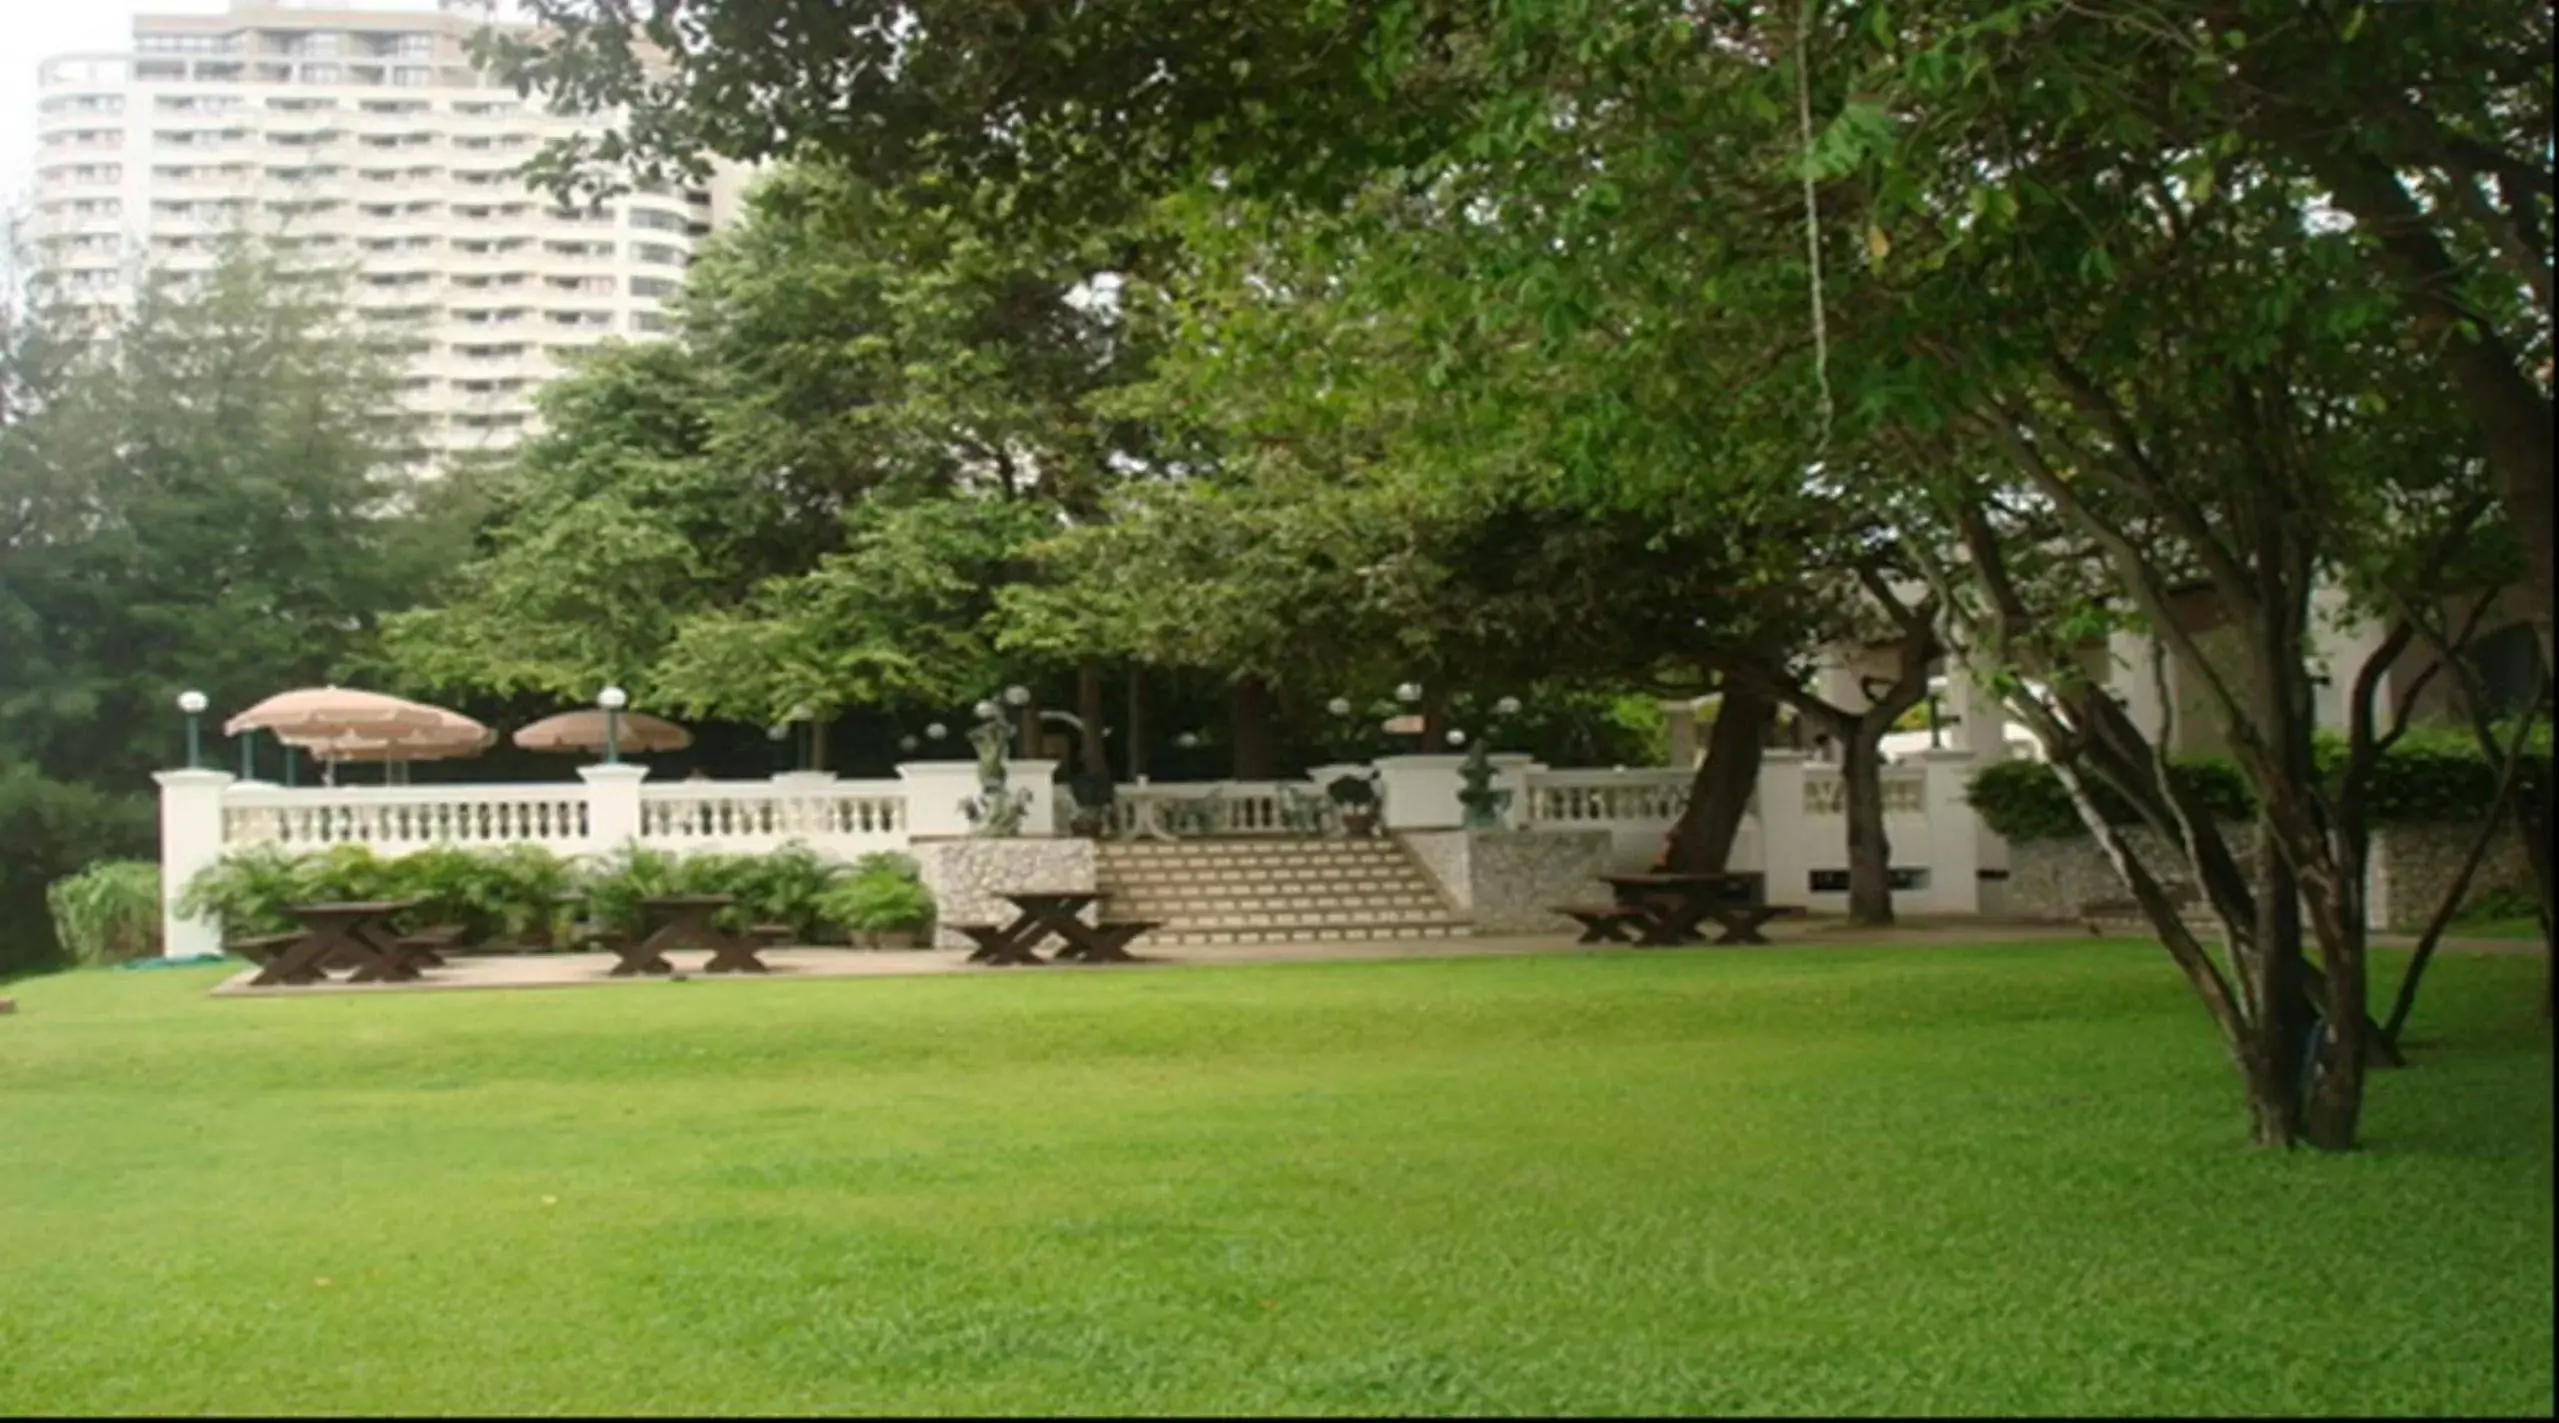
point(658, 252)
point(184, 44)
point(652, 287)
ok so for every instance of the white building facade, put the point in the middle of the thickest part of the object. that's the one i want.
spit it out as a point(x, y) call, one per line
point(359, 133)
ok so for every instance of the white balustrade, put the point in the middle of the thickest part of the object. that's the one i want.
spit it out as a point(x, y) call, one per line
point(1905, 790)
point(1583, 799)
point(1229, 808)
point(844, 817)
point(397, 819)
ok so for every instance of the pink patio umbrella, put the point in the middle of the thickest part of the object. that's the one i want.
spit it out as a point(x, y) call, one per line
point(584, 731)
point(310, 712)
point(341, 724)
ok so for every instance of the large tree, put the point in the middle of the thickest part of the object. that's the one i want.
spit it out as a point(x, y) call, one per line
point(208, 493)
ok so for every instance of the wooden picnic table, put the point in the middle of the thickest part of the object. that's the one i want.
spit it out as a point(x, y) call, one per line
point(353, 932)
point(1042, 913)
point(1674, 905)
point(683, 921)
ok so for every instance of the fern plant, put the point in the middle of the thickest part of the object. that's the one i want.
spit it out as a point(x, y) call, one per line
point(785, 887)
point(246, 890)
point(616, 883)
point(107, 913)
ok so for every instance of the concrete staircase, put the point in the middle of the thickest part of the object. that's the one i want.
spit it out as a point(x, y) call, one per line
point(1269, 890)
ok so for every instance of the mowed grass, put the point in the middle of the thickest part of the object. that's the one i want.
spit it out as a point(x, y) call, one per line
point(2003, 1180)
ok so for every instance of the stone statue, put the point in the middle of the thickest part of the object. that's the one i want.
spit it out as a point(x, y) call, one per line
point(990, 737)
point(997, 809)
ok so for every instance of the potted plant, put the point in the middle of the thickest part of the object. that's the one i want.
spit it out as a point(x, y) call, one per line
point(883, 904)
point(1093, 792)
point(1356, 798)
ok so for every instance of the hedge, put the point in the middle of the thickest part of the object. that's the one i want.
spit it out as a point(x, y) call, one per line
point(2425, 777)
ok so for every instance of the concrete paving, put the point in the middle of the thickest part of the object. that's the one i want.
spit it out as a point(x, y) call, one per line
point(590, 970)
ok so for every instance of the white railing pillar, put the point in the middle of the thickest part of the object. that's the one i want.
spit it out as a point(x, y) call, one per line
point(1512, 771)
point(612, 805)
point(934, 791)
point(1421, 792)
point(1954, 835)
point(190, 840)
point(1787, 852)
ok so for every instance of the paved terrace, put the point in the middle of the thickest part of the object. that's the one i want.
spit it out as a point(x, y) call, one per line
point(552, 970)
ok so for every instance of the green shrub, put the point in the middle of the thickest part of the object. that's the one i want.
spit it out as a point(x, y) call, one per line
point(107, 913)
point(785, 887)
point(344, 874)
point(247, 891)
point(455, 886)
point(52, 829)
point(532, 883)
point(2025, 800)
point(615, 884)
point(879, 903)
point(2429, 775)
point(890, 863)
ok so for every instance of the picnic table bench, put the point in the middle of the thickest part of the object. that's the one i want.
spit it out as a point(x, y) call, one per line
point(1043, 913)
point(1663, 908)
point(356, 933)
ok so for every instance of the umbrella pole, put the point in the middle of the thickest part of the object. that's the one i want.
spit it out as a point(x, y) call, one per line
point(292, 765)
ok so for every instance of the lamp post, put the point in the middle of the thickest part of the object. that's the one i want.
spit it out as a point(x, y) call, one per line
point(775, 733)
point(613, 700)
point(1018, 697)
point(803, 736)
point(192, 703)
point(1409, 695)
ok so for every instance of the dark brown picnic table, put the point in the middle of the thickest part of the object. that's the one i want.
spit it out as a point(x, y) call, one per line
point(1675, 904)
point(353, 932)
point(683, 921)
point(1042, 913)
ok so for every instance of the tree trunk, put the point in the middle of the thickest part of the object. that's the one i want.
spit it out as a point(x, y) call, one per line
point(817, 742)
point(1719, 796)
point(1434, 718)
point(2274, 1052)
point(1870, 852)
point(1256, 736)
point(1088, 709)
point(1136, 751)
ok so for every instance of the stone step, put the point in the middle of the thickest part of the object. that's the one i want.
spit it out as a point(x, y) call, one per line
point(1147, 907)
point(1336, 933)
point(1320, 919)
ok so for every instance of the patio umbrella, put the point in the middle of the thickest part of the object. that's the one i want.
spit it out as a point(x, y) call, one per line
point(584, 731)
point(451, 735)
point(454, 735)
point(335, 711)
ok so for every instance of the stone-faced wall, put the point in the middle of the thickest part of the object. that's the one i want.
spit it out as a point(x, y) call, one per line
point(965, 876)
point(1505, 879)
point(2412, 866)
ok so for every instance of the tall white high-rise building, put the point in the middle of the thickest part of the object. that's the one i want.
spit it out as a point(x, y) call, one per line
point(358, 132)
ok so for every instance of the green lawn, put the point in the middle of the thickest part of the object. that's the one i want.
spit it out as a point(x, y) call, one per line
point(1929, 1181)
